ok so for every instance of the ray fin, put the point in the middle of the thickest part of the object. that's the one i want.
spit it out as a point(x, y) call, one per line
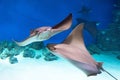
point(76, 37)
point(88, 69)
point(65, 24)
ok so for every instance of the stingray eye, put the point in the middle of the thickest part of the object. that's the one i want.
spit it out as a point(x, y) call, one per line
point(32, 31)
point(52, 48)
point(36, 32)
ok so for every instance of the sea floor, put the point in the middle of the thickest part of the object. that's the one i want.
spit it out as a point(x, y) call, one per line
point(61, 69)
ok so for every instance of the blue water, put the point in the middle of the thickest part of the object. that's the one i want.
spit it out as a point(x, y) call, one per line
point(19, 17)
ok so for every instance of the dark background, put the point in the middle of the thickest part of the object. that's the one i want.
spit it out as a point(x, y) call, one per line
point(18, 17)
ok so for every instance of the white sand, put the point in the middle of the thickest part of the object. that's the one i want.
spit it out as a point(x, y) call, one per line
point(33, 69)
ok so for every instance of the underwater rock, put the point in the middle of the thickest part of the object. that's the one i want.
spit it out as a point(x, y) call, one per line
point(118, 57)
point(4, 54)
point(28, 53)
point(38, 54)
point(38, 57)
point(48, 56)
point(1, 49)
point(10, 45)
point(117, 4)
point(109, 39)
point(13, 60)
point(16, 50)
point(6, 44)
point(9, 49)
point(36, 45)
point(116, 17)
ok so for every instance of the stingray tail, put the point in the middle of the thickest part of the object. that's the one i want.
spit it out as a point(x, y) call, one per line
point(108, 73)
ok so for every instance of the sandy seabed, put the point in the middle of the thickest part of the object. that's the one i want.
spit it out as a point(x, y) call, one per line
point(61, 69)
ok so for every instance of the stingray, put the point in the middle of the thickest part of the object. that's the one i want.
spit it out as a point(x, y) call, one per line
point(84, 10)
point(46, 32)
point(74, 50)
point(90, 26)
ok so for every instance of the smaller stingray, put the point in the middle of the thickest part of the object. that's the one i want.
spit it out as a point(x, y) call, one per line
point(90, 26)
point(46, 32)
point(74, 50)
point(84, 10)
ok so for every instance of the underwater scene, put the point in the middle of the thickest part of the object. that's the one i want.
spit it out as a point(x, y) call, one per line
point(59, 39)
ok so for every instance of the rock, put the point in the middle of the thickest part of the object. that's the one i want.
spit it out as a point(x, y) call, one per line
point(38, 57)
point(48, 56)
point(4, 54)
point(16, 50)
point(9, 49)
point(4, 43)
point(29, 53)
point(10, 45)
point(13, 60)
point(118, 57)
point(108, 40)
point(1, 49)
point(36, 45)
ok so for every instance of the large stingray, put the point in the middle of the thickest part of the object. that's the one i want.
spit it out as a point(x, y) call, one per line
point(74, 50)
point(46, 32)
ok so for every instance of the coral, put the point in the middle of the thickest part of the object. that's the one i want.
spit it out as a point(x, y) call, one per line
point(4, 54)
point(10, 50)
point(13, 60)
point(109, 39)
point(16, 50)
point(48, 56)
point(36, 45)
point(118, 57)
point(6, 44)
point(29, 53)
point(38, 57)
point(1, 49)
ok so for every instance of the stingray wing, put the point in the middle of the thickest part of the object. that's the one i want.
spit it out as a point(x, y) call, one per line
point(87, 64)
point(76, 37)
point(62, 25)
point(89, 70)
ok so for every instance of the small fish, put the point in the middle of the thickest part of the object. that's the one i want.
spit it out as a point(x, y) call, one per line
point(46, 32)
